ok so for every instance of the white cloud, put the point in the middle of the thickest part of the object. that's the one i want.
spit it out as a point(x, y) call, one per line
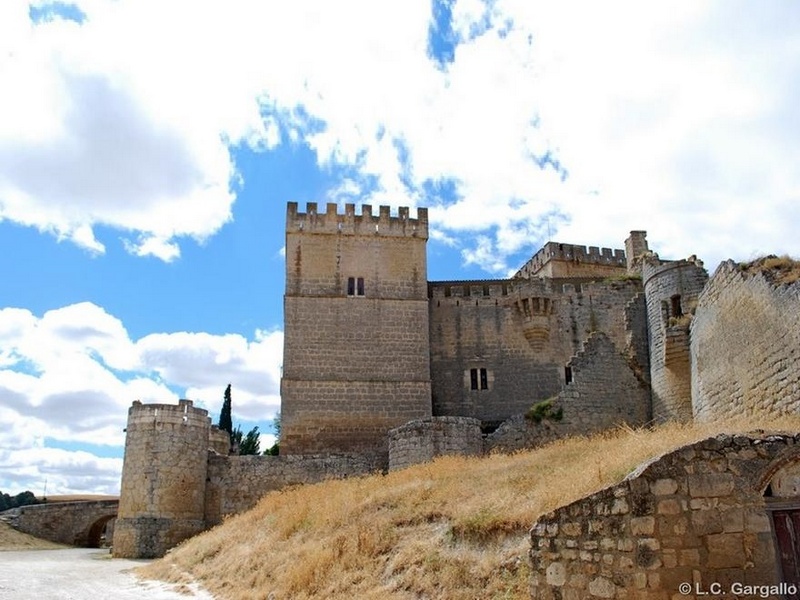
point(68, 378)
point(665, 117)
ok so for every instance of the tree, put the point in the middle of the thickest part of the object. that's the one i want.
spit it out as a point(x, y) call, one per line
point(246, 444)
point(251, 444)
point(225, 419)
point(22, 499)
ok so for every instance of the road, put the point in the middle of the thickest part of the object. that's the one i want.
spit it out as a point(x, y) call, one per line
point(79, 574)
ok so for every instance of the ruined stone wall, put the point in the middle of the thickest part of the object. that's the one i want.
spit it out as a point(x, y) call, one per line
point(745, 346)
point(637, 347)
point(604, 392)
point(237, 483)
point(671, 292)
point(162, 493)
point(423, 440)
point(696, 517)
point(523, 333)
point(356, 341)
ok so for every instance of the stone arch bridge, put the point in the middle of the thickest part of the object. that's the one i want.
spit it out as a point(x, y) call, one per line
point(84, 523)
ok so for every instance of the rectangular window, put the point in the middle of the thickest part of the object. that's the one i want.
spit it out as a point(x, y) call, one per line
point(360, 286)
point(351, 286)
point(473, 379)
point(567, 374)
point(677, 311)
point(484, 380)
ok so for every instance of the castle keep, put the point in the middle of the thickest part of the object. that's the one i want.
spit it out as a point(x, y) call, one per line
point(383, 368)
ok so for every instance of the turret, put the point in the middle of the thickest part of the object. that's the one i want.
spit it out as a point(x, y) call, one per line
point(162, 495)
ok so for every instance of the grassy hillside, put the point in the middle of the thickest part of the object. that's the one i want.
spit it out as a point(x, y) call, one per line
point(456, 528)
point(11, 539)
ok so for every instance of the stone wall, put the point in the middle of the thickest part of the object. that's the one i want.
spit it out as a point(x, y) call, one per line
point(745, 346)
point(237, 483)
point(423, 440)
point(697, 516)
point(604, 392)
point(73, 523)
point(671, 291)
point(570, 260)
point(523, 333)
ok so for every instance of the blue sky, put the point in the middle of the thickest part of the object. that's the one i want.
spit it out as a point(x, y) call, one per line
point(147, 152)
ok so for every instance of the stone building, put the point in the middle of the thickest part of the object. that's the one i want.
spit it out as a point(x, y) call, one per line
point(383, 368)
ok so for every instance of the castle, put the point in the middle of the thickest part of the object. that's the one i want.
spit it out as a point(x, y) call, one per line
point(383, 368)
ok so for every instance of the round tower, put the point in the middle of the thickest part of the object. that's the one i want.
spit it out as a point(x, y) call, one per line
point(671, 290)
point(162, 495)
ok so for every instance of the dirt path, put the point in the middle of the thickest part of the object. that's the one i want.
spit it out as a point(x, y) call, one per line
point(80, 574)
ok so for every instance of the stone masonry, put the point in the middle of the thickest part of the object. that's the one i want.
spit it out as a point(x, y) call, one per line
point(423, 440)
point(383, 368)
point(355, 360)
point(760, 320)
point(699, 517)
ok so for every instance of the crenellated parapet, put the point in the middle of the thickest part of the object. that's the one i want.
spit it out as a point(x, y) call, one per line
point(159, 415)
point(604, 258)
point(331, 221)
point(477, 292)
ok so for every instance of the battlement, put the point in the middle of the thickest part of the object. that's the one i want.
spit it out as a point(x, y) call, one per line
point(349, 223)
point(475, 290)
point(183, 413)
point(555, 251)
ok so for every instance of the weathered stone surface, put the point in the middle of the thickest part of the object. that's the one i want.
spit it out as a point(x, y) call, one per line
point(700, 524)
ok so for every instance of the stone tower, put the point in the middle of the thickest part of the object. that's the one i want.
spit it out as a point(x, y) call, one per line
point(162, 495)
point(356, 345)
point(671, 289)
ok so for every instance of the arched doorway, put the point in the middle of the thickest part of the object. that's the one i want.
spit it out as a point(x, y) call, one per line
point(100, 532)
point(782, 500)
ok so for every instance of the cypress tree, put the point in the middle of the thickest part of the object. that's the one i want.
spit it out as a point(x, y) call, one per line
point(225, 420)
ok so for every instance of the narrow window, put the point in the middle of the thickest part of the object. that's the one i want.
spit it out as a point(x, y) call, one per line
point(677, 311)
point(567, 374)
point(473, 379)
point(466, 291)
point(360, 286)
point(484, 380)
point(351, 286)
point(486, 290)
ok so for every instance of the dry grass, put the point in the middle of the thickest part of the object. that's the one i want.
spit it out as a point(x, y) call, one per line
point(11, 539)
point(456, 528)
point(780, 269)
